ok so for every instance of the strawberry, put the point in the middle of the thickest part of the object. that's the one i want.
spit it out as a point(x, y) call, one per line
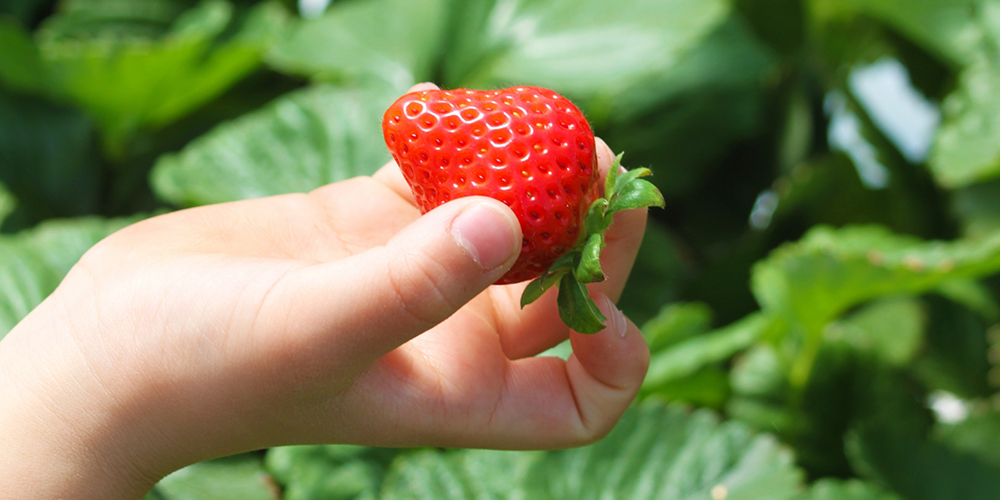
point(533, 150)
point(528, 147)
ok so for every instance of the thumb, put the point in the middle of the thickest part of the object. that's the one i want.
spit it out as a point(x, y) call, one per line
point(383, 297)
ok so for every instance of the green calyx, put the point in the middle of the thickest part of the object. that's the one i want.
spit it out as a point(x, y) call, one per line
point(582, 264)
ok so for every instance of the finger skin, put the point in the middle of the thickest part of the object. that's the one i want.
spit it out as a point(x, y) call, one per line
point(606, 371)
point(395, 292)
point(423, 86)
point(531, 403)
point(392, 177)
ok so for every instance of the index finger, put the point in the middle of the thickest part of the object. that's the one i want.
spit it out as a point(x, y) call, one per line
point(389, 174)
point(391, 177)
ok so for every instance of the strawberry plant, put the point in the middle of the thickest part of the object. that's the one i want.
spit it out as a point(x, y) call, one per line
point(820, 292)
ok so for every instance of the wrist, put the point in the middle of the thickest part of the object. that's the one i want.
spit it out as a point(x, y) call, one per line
point(64, 437)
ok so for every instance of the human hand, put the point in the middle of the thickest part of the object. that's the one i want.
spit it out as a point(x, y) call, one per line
point(338, 316)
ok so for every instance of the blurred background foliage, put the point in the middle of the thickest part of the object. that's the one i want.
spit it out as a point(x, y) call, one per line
point(820, 294)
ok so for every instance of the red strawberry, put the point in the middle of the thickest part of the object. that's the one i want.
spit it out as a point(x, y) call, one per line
point(532, 149)
point(528, 147)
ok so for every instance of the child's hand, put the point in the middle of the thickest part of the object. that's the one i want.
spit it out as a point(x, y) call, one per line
point(338, 316)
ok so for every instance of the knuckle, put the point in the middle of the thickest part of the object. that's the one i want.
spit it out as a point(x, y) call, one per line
point(346, 186)
point(596, 429)
point(416, 279)
point(98, 257)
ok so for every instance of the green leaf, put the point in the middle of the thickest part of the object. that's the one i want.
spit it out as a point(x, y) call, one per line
point(636, 194)
point(591, 50)
point(536, 288)
point(115, 21)
point(881, 397)
point(629, 177)
point(760, 391)
point(657, 275)
point(283, 462)
point(978, 207)
point(688, 116)
point(832, 489)
point(705, 388)
point(919, 469)
point(549, 278)
point(758, 373)
point(829, 191)
point(21, 66)
point(577, 310)
point(483, 474)
point(562, 351)
point(32, 263)
point(7, 202)
point(654, 452)
point(687, 357)
point(891, 329)
point(675, 323)
point(589, 270)
point(597, 219)
point(49, 159)
point(23, 10)
point(297, 143)
point(138, 82)
point(830, 270)
point(393, 41)
point(967, 149)
point(956, 357)
point(973, 295)
point(944, 27)
point(330, 472)
point(977, 435)
point(611, 180)
point(239, 477)
point(665, 452)
point(845, 385)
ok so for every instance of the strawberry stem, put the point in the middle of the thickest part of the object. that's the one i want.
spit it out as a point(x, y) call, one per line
point(582, 264)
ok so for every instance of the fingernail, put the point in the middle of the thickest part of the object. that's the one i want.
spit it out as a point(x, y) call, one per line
point(488, 235)
point(616, 319)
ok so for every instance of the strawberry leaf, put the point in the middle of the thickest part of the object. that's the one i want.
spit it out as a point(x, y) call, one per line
point(596, 222)
point(612, 177)
point(536, 288)
point(550, 277)
point(636, 194)
point(577, 310)
point(589, 270)
point(630, 176)
point(582, 264)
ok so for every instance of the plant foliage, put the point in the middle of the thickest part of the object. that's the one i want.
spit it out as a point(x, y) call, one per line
point(821, 293)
